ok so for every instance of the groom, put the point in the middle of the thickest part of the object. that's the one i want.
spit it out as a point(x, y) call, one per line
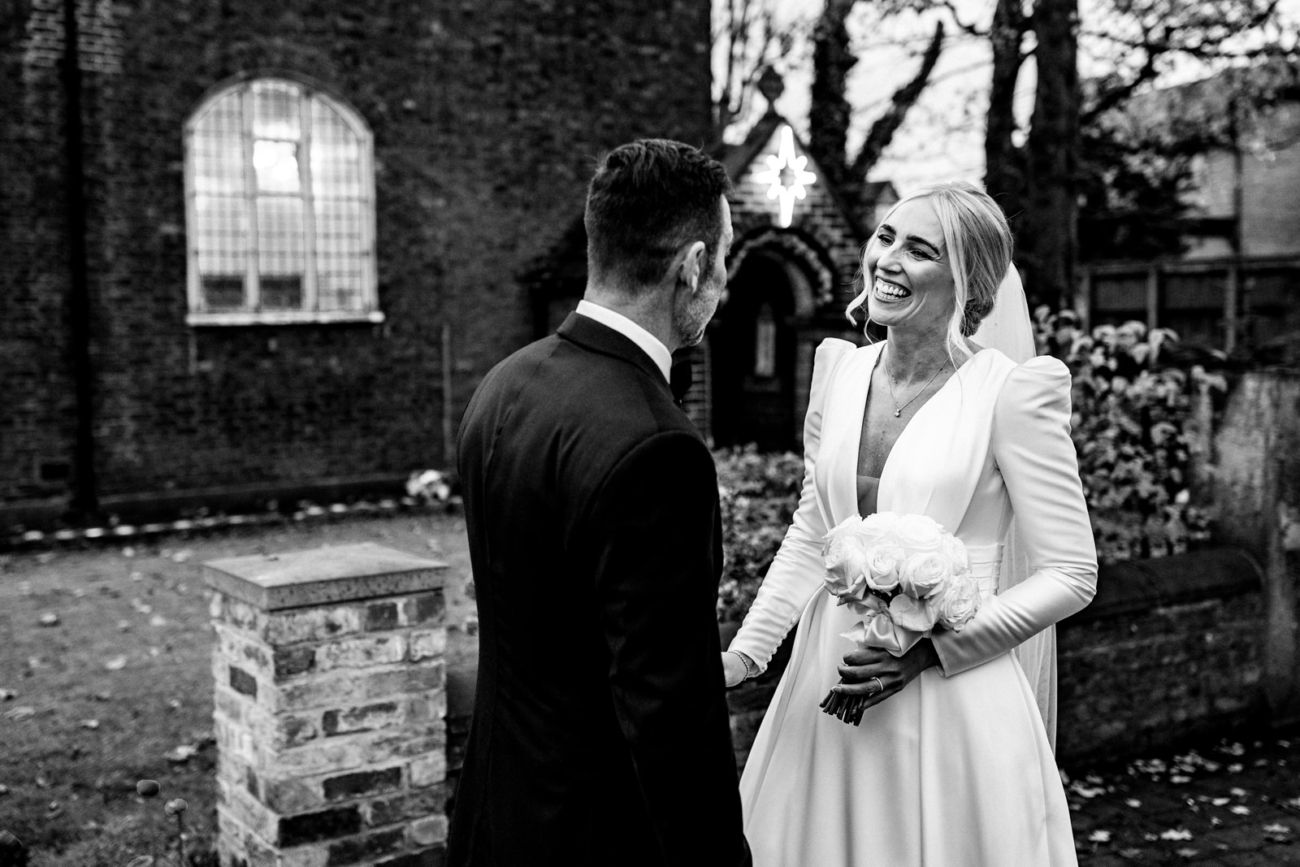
point(600, 732)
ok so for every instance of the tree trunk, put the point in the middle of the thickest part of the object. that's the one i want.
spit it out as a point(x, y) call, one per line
point(828, 119)
point(1051, 205)
point(1004, 169)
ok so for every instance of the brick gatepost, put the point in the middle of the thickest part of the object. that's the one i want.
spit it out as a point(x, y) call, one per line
point(330, 707)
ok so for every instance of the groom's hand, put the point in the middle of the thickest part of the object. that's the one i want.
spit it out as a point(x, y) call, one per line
point(872, 675)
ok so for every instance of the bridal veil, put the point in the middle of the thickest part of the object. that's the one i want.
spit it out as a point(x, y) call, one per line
point(1008, 329)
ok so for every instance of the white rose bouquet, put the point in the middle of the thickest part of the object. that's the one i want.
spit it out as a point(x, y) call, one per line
point(904, 574)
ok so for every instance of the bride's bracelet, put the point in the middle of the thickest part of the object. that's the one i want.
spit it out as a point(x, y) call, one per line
point(751, 667)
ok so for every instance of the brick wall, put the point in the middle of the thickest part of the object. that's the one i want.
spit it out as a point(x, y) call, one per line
point(1169, 649)
point(330, 698)
point(487, 118)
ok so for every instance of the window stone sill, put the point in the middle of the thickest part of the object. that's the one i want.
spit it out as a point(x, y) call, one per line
point(282, 317)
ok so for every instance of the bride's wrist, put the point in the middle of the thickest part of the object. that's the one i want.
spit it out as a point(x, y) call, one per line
point(748, 666)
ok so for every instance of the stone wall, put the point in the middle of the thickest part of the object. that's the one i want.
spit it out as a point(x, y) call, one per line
point(1250, 470)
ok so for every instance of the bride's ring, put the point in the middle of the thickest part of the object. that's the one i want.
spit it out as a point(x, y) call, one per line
point(880, 687)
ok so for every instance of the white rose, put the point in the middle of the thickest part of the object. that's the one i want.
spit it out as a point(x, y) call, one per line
point(879, 523)
point(838, 555)
point(923, 574)
point(882, 561)
point(911, 614)
point(955, 550)
point(919, 533)
point(957, 603)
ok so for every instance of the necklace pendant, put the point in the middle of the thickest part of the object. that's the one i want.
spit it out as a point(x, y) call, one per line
point(897, 413)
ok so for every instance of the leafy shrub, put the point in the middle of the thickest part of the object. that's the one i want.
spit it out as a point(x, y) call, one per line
point(1131, 429)
point(759, 493)
point(1132, 412)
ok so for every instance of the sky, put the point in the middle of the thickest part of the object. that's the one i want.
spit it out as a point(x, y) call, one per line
point(943, 136)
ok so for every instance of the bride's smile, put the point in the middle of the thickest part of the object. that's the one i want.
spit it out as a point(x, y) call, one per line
point(911, 277)
point(887, 292)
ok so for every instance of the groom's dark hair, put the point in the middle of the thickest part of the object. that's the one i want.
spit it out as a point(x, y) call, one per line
point(646, 200)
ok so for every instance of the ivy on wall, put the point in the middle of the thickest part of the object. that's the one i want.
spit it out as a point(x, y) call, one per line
point(1131, 426)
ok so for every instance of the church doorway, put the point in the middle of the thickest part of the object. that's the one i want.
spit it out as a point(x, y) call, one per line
point(753, 347)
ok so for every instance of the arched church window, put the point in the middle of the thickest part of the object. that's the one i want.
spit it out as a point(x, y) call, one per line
point(765, 342)
point(280, 207)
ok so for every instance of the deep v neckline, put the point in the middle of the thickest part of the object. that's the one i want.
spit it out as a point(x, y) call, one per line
point(862, 417)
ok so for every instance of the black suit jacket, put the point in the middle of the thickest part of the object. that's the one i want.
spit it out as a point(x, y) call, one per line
point(600, 731)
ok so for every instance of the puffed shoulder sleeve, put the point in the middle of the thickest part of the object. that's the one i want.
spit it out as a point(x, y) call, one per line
point(1033, 451)
point(796, 572)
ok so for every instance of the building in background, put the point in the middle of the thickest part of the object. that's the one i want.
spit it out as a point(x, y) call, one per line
point(1236, 286)
point(267, 250)
point(793, 270)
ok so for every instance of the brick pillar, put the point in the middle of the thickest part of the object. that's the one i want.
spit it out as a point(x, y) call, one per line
point(330, 707)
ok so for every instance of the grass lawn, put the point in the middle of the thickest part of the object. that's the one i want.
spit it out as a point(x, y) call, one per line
point(119, 688)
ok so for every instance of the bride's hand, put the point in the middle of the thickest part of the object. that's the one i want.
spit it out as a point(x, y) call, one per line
point(862, 668)
point(733, 669)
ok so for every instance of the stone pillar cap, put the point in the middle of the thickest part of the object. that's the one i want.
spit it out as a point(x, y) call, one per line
point(322, 576)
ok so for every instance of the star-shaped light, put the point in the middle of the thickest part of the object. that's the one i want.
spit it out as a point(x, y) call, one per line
point(786, 174)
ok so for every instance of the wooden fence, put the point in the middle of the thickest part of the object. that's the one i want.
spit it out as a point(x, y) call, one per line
point(1228, 304)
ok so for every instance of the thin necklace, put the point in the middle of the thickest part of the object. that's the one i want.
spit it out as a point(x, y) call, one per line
point(889, 380)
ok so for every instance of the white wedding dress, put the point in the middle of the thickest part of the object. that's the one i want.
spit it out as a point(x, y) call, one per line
point(957, 769)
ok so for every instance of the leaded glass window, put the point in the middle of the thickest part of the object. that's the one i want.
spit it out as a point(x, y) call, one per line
point(280, 207)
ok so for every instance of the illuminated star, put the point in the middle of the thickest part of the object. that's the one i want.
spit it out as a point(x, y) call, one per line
point(786, 174)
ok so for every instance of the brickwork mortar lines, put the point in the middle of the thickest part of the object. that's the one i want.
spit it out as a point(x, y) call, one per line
point(330, 718)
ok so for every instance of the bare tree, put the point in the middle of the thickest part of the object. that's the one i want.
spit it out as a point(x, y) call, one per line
point(1036, 173)
point(748, 39)
point(831, 112)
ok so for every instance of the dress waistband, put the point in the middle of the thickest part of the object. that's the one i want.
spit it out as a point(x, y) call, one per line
point(985, 565)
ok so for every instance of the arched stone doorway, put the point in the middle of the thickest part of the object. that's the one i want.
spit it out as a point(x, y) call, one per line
point(754, 348)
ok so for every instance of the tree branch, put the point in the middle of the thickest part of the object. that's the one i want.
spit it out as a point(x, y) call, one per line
point(882, 131)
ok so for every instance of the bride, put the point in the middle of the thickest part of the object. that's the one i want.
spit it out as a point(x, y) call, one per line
point(950, 762)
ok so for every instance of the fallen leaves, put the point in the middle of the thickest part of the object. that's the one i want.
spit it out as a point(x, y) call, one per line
point(1087, 791)
point(49, 618)
point(117, 663)
point(1176, 834)
point(182, 754)
point(21, 713)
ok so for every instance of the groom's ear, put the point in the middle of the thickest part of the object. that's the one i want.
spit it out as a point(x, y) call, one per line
point(689, 265)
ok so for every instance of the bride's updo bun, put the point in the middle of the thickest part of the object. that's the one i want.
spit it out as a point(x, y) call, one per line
point(978, 241)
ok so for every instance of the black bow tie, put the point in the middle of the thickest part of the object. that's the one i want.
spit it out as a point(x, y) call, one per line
point(679, 380)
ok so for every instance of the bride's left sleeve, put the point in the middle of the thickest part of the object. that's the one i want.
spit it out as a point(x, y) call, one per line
point(1032, 449)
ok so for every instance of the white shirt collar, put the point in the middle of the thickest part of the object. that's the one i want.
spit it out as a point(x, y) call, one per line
point(650, 344)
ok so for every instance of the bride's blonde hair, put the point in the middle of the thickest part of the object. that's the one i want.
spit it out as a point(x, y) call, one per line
point(978, 240)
